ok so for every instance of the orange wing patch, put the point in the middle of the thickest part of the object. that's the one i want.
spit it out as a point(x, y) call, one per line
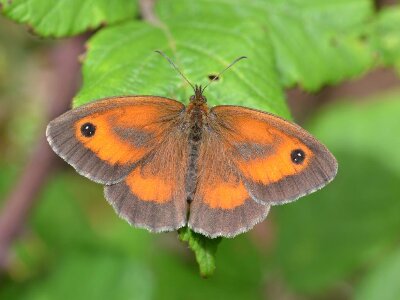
point(105, 142)
point(272, 162)
point(277, 164)
point(160, 177)
point(150, 187)
point(225, 194)
point(219, 185)
point(247, 129)
point(125, 134)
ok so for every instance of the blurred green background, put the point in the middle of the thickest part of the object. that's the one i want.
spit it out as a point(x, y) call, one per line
point(339, 243)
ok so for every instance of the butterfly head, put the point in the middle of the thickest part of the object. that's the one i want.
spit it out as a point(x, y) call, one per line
point(198, 96)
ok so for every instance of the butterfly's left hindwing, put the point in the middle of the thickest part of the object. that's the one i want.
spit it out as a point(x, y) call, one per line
point(153, 195)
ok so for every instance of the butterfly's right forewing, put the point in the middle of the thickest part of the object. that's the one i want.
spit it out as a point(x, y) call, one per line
point(279, 160)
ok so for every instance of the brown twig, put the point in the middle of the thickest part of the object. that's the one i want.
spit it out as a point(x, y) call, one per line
point(304, 104)
point(147, 11)
point(66, 78)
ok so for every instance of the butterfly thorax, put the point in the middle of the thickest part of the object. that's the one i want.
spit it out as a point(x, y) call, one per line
point(197, 112)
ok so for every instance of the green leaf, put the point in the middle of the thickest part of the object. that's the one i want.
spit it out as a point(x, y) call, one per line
point(60, 206)
point(204, 248)
point(121, 61)
point(68, 17)
point(312, 45)
point(363, 128)
point(240, 274)
point(384, 36)
point(94, 275)
point(331, 233)
point(383, 282)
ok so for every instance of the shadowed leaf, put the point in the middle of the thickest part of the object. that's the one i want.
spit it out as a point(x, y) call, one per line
point(68, 17)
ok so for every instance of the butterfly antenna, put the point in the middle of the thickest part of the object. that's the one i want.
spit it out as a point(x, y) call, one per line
point(175, 67)
point(220, 73)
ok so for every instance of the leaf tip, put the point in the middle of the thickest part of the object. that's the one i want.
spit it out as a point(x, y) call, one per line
point(204, 249)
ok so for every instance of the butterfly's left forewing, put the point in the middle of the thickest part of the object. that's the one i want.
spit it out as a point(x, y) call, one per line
point(278, 160)
point(105, 139)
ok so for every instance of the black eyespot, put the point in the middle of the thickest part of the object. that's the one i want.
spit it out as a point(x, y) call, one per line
point(213, 77)
point(297, 156)
point(88, 129)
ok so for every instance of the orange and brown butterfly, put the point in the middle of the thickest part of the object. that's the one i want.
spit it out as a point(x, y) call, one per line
point(166, 165)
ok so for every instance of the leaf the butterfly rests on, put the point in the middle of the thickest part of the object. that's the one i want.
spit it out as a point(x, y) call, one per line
point(167, 166)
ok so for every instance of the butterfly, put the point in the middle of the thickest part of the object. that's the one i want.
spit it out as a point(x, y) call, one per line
point(165, 165)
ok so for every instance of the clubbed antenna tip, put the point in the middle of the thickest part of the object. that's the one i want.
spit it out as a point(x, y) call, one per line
point(220, 73)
